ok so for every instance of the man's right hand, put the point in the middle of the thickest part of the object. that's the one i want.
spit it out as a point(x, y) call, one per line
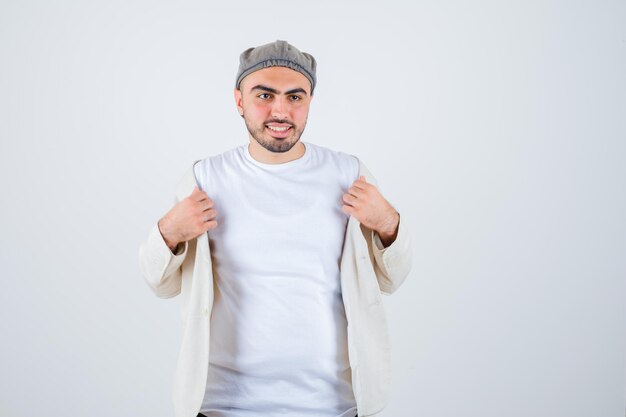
point(188, 219)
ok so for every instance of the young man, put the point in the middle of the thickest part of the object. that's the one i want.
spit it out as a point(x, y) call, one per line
point(280, 250)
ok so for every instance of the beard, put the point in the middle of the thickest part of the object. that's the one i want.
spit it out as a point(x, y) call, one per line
point(272, 144)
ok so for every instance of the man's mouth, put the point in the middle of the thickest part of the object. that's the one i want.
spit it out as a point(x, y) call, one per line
point(278, 130)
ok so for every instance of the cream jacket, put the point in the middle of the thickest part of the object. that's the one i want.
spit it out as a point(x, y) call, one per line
point(367, 271)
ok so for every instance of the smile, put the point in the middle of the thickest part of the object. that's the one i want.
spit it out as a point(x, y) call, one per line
point(278, 129)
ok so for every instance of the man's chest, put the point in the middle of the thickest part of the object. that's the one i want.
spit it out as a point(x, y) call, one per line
point(277, 223)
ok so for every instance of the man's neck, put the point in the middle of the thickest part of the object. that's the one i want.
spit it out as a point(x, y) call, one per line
point(260, 154)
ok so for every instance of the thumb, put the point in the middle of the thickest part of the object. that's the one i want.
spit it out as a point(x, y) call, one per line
point(196, 190)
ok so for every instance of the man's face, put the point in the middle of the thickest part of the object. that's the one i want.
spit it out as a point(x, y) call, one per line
point(274, 103)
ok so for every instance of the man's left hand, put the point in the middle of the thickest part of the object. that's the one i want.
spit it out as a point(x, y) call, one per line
point(364, 202)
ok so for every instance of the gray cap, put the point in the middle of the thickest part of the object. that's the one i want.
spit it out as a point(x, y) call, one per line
point(276, 54)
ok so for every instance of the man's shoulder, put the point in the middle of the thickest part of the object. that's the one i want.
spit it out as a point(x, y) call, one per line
point(327, 152)
point(221, 155)
point(197, 172)
point(346, 163)
point(216, 159)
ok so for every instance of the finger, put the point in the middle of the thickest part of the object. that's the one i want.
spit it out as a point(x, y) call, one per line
point(347, 209)
point(357, 192)
point(349, 199)
point(361, 184)
point(198, 195)
point(210, 225)
point(209, 215)
point(204, 205)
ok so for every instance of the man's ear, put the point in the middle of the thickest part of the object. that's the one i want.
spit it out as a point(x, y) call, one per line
point(238, 99)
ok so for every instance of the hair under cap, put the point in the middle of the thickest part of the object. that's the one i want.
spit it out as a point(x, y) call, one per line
point(276, 54)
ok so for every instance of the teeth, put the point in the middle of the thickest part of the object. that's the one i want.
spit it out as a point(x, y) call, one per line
point(278, 129)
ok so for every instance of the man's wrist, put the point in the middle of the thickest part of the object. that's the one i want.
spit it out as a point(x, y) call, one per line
point(389, 233)
point(171, 244)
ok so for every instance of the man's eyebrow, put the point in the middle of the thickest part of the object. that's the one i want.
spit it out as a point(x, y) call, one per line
point(296, 90)
point(274, 91)
point(264, 88)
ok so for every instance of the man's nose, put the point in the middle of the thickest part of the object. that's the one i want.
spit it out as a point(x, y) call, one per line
point(280, 108)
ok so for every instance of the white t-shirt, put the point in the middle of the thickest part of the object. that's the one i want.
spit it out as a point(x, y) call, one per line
point(278, 326)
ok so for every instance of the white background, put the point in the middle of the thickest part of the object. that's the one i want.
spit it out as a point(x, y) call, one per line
point(497, 128)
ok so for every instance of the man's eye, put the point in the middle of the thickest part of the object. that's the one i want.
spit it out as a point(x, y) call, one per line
point(264, 96)
point(295, 98)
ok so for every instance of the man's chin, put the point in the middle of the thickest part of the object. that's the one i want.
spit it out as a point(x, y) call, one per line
point(278, 145)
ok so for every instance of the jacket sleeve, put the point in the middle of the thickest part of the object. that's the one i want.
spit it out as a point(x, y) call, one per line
point(160, 267)
point(393, 263)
